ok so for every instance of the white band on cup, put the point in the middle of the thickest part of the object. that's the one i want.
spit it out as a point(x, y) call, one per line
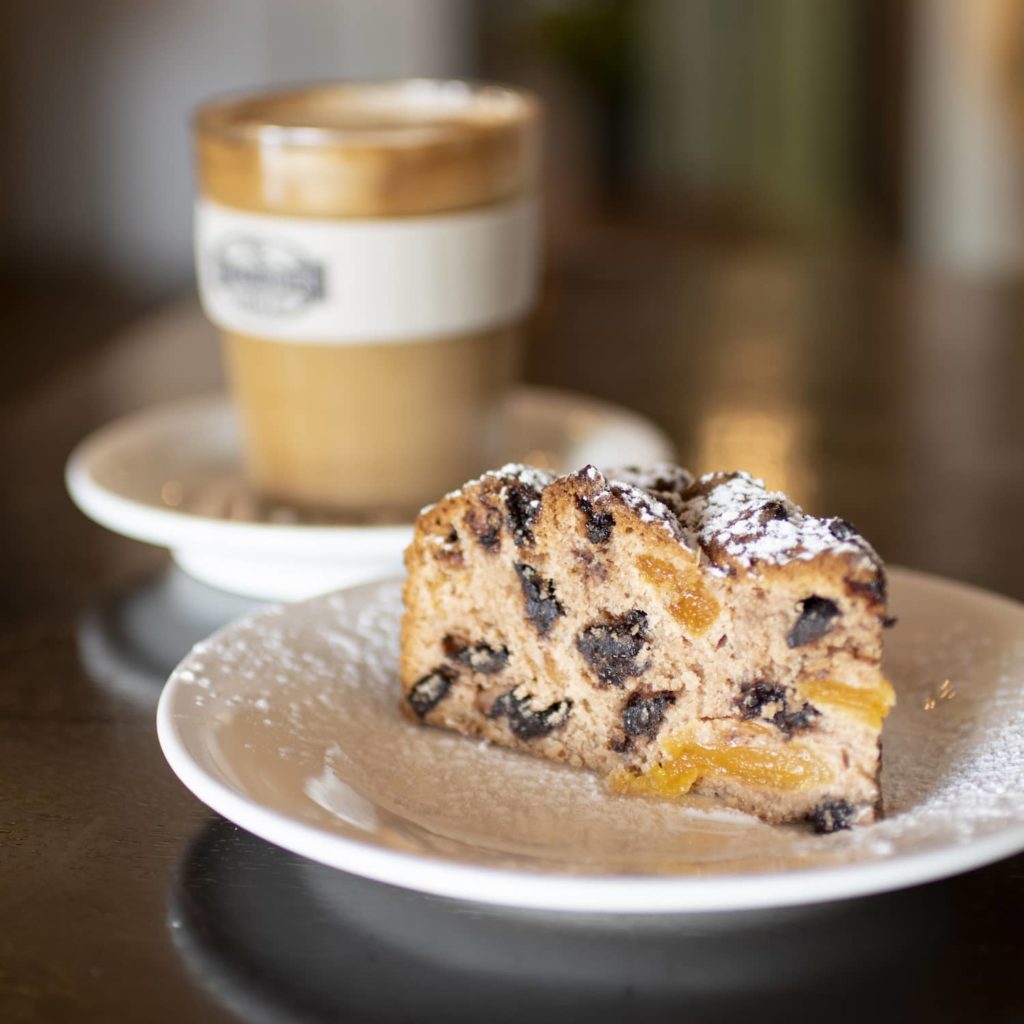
point(371, 280)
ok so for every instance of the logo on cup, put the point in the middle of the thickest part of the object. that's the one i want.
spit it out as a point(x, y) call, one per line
point(267, 277)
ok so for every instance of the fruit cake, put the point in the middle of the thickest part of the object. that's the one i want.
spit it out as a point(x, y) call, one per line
point(675, 635)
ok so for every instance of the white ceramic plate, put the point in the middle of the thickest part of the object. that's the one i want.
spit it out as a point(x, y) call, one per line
point(287, 723)
point(172, 476)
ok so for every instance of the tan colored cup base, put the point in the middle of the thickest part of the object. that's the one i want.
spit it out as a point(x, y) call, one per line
point(360, 428)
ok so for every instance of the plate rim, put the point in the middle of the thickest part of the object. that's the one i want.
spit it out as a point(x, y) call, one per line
point(564, 891)
point(177, 528)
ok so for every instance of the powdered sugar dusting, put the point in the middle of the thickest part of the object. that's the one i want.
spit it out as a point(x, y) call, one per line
point(626, 485)
point(954, 758)
point(647, 508)
point(731, 515)
point(658, 477)
point(298, 709)
point(736, 515)
point(511, 472)
point(664, 479)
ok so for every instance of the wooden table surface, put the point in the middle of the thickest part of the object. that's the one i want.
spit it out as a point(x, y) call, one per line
point(868, 390)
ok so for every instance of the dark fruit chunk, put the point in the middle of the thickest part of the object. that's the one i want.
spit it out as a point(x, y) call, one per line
point(484, 523)
point(769, 701)
point(542, 607)
point(450, 550)
point(598, 524)
point(832, 816)
point(874, 590)
point(477, 657)
point(644, 712)
point(773, 510)
point(611, 649)
point(525, 723)
point(429, 691)
point(523, 504)
point(817, 617)
point(842, 530)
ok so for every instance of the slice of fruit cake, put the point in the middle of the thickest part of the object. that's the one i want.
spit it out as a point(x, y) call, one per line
point(673, 634)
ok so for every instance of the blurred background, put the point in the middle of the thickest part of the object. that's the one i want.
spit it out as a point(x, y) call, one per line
point(894, 122)
point(811, 214)
point(791, 232)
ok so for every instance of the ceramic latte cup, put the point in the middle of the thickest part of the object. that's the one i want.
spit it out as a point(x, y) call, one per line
point(368, 252)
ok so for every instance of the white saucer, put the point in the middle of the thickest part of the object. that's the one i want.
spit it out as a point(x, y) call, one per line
point(172, 476)
point(287, 723)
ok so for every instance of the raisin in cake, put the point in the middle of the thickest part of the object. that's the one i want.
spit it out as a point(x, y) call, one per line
point(673, 634)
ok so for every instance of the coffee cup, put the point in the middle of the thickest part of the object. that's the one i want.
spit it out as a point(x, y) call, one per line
point(369, 252)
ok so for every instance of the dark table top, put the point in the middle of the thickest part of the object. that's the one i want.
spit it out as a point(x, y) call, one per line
point(868, 390)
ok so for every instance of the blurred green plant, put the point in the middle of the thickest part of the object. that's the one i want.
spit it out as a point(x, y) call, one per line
point(596, 40)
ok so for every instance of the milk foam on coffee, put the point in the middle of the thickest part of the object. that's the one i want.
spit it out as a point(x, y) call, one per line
point(368, 252)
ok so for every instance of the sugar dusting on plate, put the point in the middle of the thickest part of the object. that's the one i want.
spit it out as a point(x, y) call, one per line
point(307, 695)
